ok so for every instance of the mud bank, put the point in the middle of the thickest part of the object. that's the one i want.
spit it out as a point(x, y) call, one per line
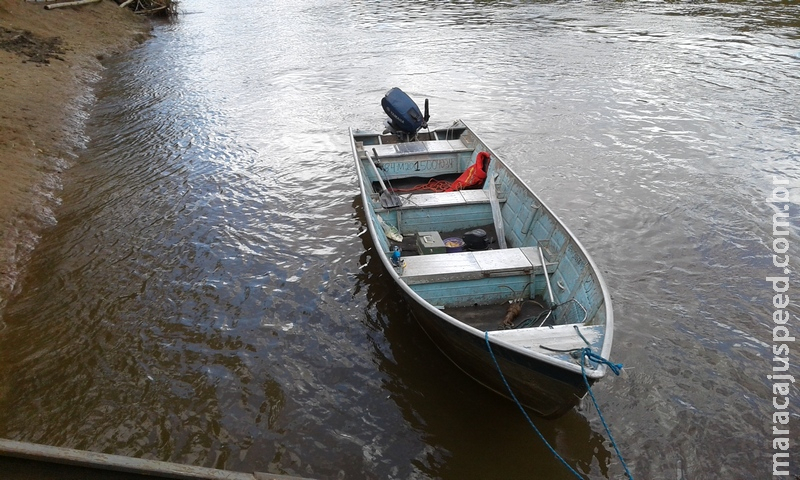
point(49, 61)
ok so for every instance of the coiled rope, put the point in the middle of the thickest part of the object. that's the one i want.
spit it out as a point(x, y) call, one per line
point(434, 185)
point(586, 353)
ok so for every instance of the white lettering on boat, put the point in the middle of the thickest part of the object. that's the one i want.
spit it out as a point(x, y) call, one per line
point(431, 165)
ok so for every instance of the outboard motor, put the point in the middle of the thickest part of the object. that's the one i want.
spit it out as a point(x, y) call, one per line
point(405, 118)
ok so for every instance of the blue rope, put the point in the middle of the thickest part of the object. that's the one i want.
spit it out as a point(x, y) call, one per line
point(585, 353)
point(522, 409)
point(616, 368)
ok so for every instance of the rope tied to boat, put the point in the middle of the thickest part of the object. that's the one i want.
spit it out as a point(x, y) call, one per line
point(586, 354)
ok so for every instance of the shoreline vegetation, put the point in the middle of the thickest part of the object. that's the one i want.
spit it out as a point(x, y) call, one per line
point(49, 61)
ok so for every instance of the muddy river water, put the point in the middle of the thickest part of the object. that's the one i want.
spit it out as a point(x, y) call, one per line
point(205, 297)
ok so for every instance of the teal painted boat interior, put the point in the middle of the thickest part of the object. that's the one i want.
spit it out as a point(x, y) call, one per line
point(533, 292)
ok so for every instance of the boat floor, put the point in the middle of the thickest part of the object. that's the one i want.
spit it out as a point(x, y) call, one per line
point(482, 317)
point(491, 317)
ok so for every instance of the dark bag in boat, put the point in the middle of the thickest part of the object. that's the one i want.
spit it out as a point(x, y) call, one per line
point(476, 239)
point(405, 114)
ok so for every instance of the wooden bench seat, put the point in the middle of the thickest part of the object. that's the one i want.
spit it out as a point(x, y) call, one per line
point(393, 150)
point(554, 337)
point(420, 159)
point(450, 267)
point(412, 201)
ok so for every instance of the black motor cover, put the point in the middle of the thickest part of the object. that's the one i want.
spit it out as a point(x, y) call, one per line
point(405, 114)
point(476, 239)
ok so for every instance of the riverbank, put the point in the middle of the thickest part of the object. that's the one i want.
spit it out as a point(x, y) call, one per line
point(49, 60)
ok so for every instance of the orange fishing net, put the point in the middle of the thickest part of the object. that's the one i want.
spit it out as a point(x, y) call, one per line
point(433, 185)
point(472, 176)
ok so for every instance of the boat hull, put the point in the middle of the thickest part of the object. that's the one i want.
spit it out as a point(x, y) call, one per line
point(547, 390)
point(460, 298)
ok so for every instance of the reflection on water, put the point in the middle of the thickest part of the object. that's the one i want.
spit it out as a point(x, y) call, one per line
point(205, 297)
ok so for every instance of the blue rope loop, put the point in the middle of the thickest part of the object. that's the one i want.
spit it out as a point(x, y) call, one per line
point(586, 353)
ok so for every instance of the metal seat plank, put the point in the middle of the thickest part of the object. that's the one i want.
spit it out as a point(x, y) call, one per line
point(451, 267)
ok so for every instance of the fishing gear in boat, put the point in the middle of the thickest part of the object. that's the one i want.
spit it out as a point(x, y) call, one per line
point(474, 175)
point(567, 312)
point(564, 313)
point(515, 306)
point(551, 302)
point(540, 319)
point(390, 231)
point(433, 185)
point(476, 240)
point(514, 309)
point(388, 199)
point(472, 178)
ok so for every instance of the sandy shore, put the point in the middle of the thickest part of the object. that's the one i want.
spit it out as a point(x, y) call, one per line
point(49, 61)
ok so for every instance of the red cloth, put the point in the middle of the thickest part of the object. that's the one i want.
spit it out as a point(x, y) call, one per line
point(472, 176)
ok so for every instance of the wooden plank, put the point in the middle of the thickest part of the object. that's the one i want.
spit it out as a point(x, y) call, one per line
point(69, 4)
point(445, 199)
point(446, 267)
point(451, 267)
point(431, 200)
point(430, 147)
point(118, 463)
point(556, 337)
point(496, 214)
point(497, 263)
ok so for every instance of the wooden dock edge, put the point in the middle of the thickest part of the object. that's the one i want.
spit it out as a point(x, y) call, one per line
point(119, 463)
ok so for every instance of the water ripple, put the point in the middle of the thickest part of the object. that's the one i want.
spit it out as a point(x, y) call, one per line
point(205, 297)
